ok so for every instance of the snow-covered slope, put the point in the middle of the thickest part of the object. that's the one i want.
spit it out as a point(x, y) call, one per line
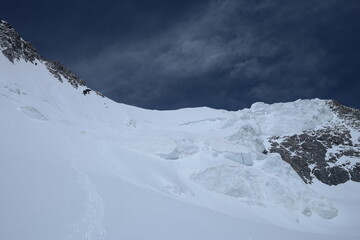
point(75, 166)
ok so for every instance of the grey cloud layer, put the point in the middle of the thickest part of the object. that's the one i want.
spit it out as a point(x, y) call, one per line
point(229, 55)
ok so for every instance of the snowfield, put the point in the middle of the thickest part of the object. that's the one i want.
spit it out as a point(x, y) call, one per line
point(76, 166)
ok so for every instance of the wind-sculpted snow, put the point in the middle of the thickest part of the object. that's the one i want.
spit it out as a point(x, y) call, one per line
point(196, 173)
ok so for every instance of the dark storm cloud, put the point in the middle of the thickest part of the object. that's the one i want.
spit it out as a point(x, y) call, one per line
point(222, 54)
point(233, 53)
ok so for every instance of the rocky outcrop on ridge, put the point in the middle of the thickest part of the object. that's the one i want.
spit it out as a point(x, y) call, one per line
point(330, 154)
point(15, 48)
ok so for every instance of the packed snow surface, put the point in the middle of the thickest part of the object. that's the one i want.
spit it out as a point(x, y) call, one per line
point(84, 167)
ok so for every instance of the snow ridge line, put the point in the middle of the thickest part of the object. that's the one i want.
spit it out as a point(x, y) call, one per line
point(89, 227)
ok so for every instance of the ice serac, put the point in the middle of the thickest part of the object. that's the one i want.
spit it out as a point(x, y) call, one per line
point(75, 165)
point(329, 153)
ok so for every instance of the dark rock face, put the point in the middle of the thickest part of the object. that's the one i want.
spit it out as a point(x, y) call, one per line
point(15, 48)
point(351, 116)
point(59, 71)
point(320, 153)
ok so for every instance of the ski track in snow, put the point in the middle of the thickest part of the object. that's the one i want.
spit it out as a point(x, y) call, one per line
point(90, 227)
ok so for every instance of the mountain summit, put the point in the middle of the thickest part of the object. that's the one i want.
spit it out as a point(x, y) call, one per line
point(77, 165)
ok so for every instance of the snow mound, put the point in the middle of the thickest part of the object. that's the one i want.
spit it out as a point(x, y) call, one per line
point(285, 118)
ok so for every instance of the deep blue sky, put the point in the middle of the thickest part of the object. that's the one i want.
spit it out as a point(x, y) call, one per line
point(224, 54)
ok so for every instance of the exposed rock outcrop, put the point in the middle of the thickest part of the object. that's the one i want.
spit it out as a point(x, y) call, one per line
point(15, 48)
point(330, 154)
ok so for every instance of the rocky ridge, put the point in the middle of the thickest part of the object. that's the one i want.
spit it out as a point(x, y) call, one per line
point(15, 48)
point(330, 154)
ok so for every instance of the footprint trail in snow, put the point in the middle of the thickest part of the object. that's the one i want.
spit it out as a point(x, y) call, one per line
point(90, 226)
